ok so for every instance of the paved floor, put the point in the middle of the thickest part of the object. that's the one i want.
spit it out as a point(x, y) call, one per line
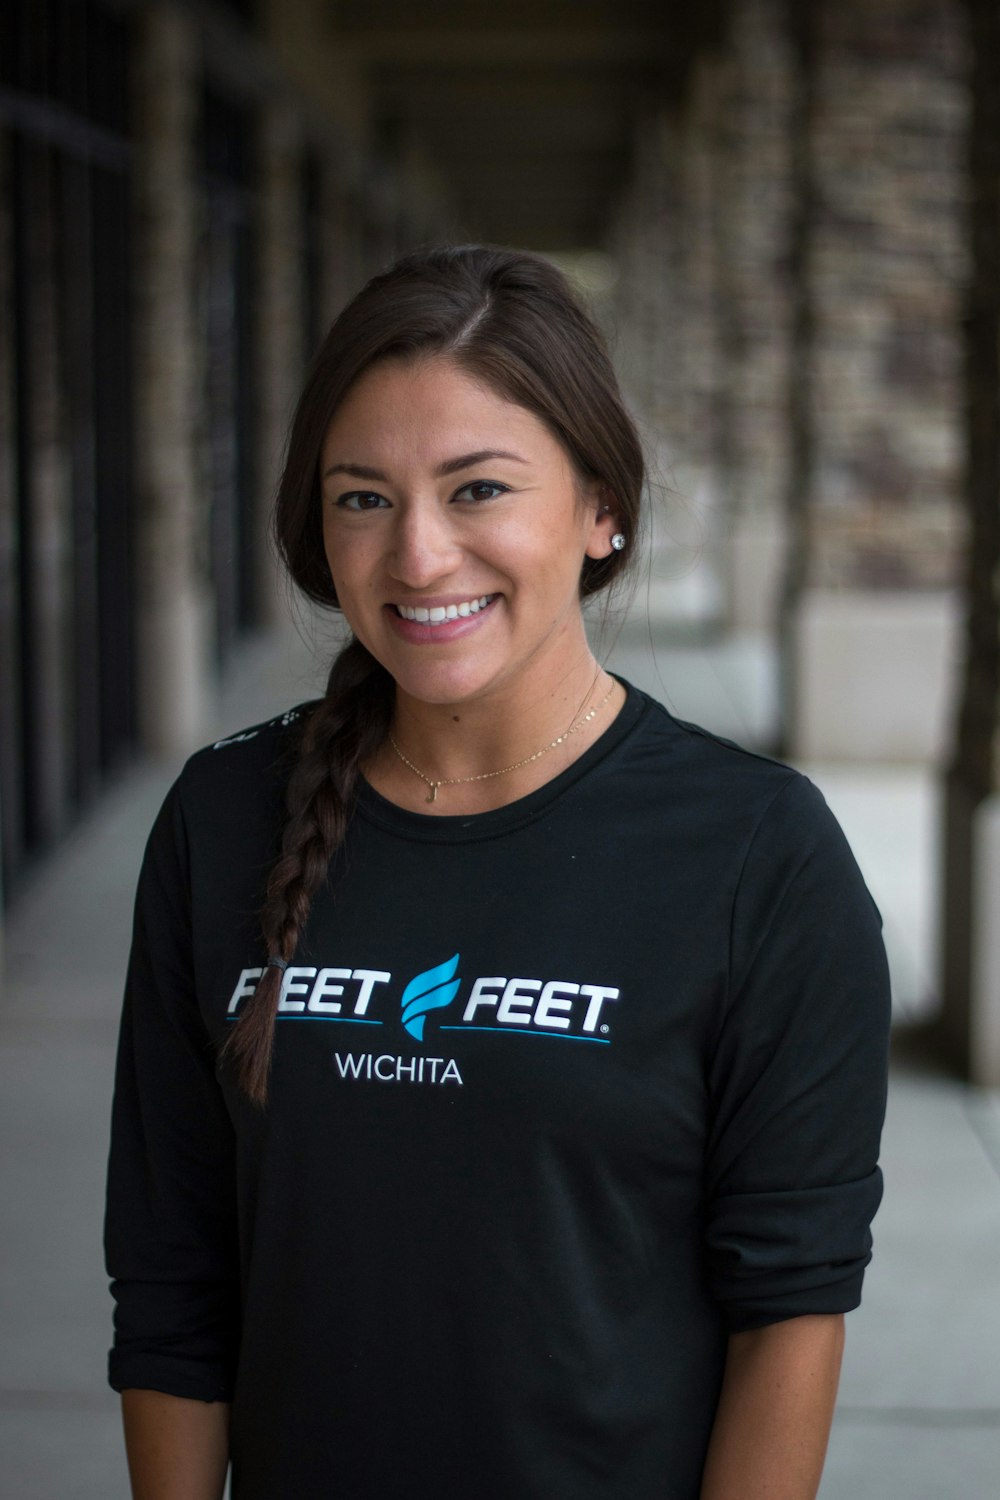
point(919, 1417)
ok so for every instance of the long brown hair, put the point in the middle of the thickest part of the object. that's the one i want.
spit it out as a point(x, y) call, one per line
point(510, 319)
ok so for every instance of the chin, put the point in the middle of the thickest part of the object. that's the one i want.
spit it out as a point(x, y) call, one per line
point(441, 685)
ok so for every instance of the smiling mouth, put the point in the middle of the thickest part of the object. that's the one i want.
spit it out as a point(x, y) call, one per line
point(441, 613)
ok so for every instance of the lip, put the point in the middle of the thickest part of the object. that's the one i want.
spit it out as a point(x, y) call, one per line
point(420, 634)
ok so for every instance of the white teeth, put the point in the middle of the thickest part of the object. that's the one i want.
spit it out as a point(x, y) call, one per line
point(442, 612)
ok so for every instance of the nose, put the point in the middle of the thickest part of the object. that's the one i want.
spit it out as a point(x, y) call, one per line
point(424, 546)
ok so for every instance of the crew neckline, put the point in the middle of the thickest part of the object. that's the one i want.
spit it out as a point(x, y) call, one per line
point(461, 827)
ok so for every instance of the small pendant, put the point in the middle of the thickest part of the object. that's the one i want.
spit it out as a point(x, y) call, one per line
point(433, 792)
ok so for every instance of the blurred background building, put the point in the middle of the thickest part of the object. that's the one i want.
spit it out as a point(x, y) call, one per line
point(785, 211)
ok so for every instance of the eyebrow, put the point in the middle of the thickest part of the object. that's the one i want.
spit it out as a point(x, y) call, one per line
point(450, 466)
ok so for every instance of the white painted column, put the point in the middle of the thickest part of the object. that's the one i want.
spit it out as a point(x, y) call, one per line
point(174, 598)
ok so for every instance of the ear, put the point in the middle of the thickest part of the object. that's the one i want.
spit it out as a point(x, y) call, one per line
point(606, 522)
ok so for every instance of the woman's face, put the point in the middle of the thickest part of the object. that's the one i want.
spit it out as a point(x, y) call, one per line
point(455, 530)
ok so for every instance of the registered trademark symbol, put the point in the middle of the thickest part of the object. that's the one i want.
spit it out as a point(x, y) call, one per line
point(605, 1028)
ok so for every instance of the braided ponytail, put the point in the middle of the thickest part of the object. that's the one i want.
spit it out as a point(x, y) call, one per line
point(345, 730)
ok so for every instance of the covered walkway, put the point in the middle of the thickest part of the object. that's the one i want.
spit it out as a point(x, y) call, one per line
point(785, 213)
point(919, 1414)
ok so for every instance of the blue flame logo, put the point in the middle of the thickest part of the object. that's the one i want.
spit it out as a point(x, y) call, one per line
point(428, 991)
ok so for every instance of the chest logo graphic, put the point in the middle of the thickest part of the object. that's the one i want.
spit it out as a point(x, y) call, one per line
point(492, 1002)
point(431, 990)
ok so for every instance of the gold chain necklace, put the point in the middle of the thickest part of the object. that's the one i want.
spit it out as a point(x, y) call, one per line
point(504, 770)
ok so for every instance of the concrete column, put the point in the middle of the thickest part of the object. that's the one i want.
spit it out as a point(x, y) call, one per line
point(875, 669)
point(984, 1049)
point(9, 789)
point(174, 608)
point(279, 350)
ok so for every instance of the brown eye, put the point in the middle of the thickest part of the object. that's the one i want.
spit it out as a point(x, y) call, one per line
point(359, 500)
point(480, 490)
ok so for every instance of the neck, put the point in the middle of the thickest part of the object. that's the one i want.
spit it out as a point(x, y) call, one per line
point(478, 734)
point(512, 732)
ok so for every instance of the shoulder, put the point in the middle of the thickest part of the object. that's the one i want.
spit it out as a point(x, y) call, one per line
point(704, 748)
point(752, 820)
point(258, 753)
point(219, 826)
point(713, 777)
point(231, 793)
point(270, 735)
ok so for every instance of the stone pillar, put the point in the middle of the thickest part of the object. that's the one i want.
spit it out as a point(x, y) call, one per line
point(970, 1018)
point(885, 276)
point(650, 338)
point(668, 309)
point(888, 271)
point(800, 412)
point(700, 355)
point(703, 313)
point(622, 312)
point(659, 293)
point(279, 352)
point(641, 280)
point(341, 229)
point(756, 216)
point(174, 608)
point(46, 542)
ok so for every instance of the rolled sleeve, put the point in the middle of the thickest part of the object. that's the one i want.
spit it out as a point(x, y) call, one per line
point(779, 1255)
point(798, 1078)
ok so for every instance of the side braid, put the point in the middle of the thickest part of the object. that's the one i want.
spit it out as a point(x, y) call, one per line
point(344, 731)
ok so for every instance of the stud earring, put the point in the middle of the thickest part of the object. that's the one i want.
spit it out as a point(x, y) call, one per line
point(618, 541)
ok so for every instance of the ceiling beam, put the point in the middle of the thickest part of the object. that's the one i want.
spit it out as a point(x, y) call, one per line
point(527, 48)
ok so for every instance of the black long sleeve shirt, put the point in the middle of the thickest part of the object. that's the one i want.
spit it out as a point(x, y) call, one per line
point(563, 1094)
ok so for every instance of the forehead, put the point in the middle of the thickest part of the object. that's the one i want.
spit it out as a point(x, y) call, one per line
point(430, 409)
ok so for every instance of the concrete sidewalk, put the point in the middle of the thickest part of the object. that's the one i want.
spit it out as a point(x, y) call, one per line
point(919, 1417)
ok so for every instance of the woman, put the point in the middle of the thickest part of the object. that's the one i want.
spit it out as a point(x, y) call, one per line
point(560, 1183)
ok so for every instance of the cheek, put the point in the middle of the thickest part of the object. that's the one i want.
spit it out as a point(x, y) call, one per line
point(347, 559)
point(328, 543)
point(554, 551)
